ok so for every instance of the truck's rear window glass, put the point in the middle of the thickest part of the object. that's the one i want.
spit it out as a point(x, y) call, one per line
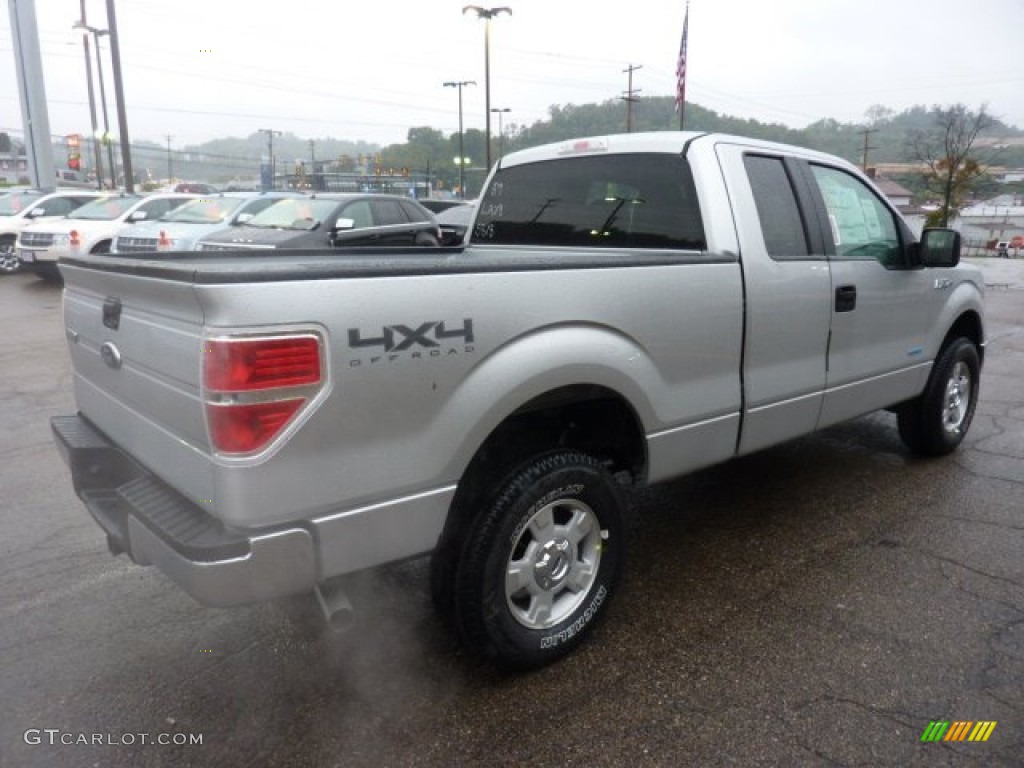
point(777, 209)
point(619, 201)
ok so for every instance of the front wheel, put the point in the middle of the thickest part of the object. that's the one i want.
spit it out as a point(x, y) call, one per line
point(9, 261)
point(935, 423)
point(541, 562)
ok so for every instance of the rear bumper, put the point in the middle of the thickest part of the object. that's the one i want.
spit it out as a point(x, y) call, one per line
point(155, 525)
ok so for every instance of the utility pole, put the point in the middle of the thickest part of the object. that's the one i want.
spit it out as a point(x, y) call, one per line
point(864, 161)
point(122, 115)
point(270, 151)
point(96, 153)
point(312, 165)
point(170, 169)
point(629, 97)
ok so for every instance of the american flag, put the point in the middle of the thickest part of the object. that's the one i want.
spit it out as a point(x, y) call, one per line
point(681, 65)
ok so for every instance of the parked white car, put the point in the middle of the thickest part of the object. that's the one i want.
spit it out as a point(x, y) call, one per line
point(23, 207)
point(181, 229)
point(90, 229)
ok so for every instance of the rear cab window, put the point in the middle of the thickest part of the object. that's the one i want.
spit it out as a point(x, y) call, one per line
point(637, 200)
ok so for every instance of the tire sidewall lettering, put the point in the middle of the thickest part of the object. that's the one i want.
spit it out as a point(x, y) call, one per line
point(565, 492)
point(555, 639)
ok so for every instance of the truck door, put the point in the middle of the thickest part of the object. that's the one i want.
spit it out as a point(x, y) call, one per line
point(786, 278)
point(881, 306)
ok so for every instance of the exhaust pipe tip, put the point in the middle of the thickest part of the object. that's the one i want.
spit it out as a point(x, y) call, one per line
point(336, 607)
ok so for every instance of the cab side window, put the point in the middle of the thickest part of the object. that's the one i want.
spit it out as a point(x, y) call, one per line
point(862, 226)
point(782, 226)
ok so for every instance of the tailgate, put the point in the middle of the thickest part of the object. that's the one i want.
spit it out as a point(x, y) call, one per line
point(135, 344)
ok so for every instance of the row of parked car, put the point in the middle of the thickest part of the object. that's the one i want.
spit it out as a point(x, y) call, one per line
point(37, 228)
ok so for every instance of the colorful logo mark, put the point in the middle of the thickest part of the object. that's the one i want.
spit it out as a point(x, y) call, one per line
point(959, 730)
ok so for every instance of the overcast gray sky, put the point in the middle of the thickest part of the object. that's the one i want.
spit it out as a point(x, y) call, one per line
point(202, 69)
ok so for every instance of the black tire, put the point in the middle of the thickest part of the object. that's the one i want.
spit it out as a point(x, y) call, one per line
point(9, 261)
point(557, 525)
point(935, 423)
point(101, 247)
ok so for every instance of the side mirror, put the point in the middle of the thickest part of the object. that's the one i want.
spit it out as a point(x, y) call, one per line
point(138, 216)
point(939, 248)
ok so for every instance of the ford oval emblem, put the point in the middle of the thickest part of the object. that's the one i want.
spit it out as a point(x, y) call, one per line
point(111, 355)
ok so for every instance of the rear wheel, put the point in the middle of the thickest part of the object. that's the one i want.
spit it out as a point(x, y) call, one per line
point(539, 565)
point(935, 423)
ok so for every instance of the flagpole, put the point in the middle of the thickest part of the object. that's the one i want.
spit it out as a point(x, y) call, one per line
point(681, 70)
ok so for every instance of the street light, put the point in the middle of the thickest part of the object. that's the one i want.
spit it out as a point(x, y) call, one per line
point(501, 129)
point(97, 34)
point(459, 84)
point(487, 14)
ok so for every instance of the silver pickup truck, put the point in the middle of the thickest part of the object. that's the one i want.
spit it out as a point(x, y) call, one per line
point(630, 308)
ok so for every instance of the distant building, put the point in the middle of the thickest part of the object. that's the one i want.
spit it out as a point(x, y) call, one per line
point(898, 195)
point(1000, 218)
point(13, 168)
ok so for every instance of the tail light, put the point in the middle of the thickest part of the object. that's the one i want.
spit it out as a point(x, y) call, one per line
point(253, 387)
point(163, 242)
point(74, 241)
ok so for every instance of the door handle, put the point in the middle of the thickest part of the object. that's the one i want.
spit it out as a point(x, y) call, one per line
point(846, 298)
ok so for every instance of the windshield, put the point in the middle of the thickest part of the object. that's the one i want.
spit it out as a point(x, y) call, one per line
point(294, 214)
point(207, 211)
point(107, 209)
point(16, 202)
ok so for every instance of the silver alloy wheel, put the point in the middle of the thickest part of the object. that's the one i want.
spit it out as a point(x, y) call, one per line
point(9, 261)
point(958, 397)
point(554, 563)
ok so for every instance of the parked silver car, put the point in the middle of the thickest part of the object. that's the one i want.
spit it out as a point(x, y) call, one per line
point(181, 229)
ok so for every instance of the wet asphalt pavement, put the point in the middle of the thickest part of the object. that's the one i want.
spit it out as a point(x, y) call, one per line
point(816, 604)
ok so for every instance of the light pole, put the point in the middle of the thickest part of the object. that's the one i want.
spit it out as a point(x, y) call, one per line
point(501, 129)
point(270, 144)
point(487, 14)
point(97, 34)
point(170, 169)
point(460, 84)
point(122, 113)
point(96, 154)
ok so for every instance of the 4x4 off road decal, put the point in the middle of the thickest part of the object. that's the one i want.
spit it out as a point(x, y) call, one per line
point(391, 343)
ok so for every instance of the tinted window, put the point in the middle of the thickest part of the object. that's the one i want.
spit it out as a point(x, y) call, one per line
point(777, 209)
point(387, 212)
point(415, 212)
point(359, 212)
point(638, 200)
point(58, 206)
point(862, 226)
